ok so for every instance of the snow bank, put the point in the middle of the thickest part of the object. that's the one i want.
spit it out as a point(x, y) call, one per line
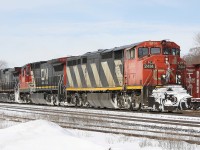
point(45, 135)
point(42, 135)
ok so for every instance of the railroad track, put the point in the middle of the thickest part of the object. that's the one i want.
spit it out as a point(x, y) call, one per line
point(156, 126)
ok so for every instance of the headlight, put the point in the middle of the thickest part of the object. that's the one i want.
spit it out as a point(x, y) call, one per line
point(163, 76)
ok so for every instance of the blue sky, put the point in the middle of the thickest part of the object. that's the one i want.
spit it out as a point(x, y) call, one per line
point(34, 30)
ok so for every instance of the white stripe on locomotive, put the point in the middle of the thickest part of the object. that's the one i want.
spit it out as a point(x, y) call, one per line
point(96, 75)
point(108, 74)
point(86, 76)
point(77, 75)
point(69, 78)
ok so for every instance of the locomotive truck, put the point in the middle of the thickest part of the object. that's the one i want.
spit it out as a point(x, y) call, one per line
point(147, 75)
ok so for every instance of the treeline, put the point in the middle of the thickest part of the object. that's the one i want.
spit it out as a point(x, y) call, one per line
point(3, 64)
point(193, 57)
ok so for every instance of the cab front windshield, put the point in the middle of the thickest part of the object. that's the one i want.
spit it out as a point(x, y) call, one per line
point(171, 51)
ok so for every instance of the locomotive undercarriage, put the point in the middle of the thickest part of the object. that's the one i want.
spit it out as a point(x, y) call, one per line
point(161, 99)
point(107, 99)
point(10, 97)
point(169, 98)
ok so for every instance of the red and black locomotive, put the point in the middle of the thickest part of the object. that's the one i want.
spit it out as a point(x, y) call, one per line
point(144, 75)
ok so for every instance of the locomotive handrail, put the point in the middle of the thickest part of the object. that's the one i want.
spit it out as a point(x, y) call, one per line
point(7, 86)
point(48, 83)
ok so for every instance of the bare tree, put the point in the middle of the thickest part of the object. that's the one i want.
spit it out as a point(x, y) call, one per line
point(197, 39)
point(3, 64)
point(193, 57)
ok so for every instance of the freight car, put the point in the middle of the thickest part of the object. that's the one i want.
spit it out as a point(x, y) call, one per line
point(145, 75)
point(192, 84)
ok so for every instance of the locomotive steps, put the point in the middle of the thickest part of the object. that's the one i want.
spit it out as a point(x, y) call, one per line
point(156, 126)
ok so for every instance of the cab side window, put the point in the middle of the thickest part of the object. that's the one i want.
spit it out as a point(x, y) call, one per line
point(118, 54)
point(173, 51)
point(142, 51)
point(131, 53)
point(166, 51)
point(178, 52)
point(155, 50)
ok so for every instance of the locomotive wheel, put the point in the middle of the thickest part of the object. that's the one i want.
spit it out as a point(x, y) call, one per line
point(80, 102)
point(195, 106)
point(183, 106)
point(161, 108)
point(136, 106)
point(57, 102)
point(51, 99)
point(24, 98)
point(54, 100)
point(74, 100)
point(136, 102)
point(127, 103)
point(155, 106)
point(28, 99)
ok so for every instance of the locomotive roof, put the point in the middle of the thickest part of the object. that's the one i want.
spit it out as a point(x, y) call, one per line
point(121, 47)
point(112, 49)
point(10, 69)
point(32, 63)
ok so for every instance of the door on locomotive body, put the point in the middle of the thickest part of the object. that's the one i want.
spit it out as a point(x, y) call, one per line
point(46, 73)
point(132, 68)
point(58, 72)
point(119, 66)
point(36, 74)
point(24, 78)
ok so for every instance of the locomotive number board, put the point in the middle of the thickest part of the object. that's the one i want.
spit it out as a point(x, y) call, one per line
point(181, 66)
point(149, 66)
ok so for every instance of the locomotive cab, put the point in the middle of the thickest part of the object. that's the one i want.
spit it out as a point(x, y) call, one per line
point(158, 68)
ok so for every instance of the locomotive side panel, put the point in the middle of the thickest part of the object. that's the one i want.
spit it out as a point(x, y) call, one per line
point(96, 70)
point(112, 65)
point(93, 67)
point(9, 79)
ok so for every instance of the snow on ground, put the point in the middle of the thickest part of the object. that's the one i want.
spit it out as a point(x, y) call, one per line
point(121, 142)
point(45, 135)
point(6, 123)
